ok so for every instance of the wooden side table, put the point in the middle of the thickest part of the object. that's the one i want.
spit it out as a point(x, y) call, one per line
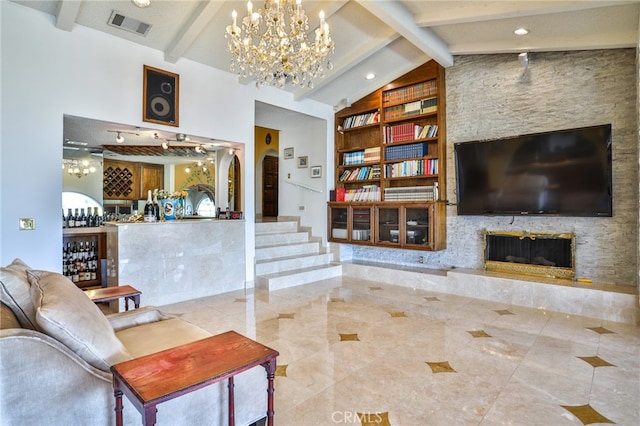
point(149, 380)
point(108, 294)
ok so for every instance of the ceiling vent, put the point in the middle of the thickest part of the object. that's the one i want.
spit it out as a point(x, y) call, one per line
point(132, 25)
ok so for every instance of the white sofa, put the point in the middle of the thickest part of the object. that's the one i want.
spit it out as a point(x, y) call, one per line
point(56, 349)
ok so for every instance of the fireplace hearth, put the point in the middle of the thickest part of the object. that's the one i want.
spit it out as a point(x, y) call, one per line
point(539, 254)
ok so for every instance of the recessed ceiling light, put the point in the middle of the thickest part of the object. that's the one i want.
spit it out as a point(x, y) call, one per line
point(370, 76)
point(521, 31)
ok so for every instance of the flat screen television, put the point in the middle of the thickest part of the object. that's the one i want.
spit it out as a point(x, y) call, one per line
point(562, 173)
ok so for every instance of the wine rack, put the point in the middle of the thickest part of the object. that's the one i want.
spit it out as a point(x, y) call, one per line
point(118, 182)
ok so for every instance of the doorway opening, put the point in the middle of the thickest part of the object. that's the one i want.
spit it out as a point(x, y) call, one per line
point(270, 187)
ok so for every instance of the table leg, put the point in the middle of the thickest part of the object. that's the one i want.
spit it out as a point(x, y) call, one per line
point(126, 303)
point(136, 301)
point(270, 366)
point(149, 415)
point(117, 393)
point(232, 414)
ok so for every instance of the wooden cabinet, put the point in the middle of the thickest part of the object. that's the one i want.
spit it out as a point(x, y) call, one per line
point(127, 180)
point(390, 152)
point(407, 225)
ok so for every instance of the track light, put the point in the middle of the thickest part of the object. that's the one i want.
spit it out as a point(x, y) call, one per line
point(119, 138)
point(119, 133)
point(524, 59)
point(165, 145)
point(141, 3)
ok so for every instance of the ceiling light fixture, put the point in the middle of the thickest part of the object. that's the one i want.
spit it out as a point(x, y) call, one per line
point(524, 59)
point(141, 3)
point(80, 168)
point(521, 31)
point(370, 76)
point(263, 48)
point(119, 133)
point(165, 145)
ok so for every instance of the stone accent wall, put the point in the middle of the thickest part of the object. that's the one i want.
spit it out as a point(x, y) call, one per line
point(492, 96)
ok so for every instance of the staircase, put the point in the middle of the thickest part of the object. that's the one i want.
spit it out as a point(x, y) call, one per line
point(287, 255)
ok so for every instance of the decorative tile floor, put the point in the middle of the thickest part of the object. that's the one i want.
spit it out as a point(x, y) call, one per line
point(354, 352)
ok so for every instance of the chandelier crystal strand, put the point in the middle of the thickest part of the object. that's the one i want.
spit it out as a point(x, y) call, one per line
point(271, 45)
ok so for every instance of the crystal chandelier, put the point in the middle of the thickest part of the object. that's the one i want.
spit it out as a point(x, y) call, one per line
point(79, 168)
point(262, 47)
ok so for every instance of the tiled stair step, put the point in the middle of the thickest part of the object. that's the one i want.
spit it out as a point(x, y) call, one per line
point(271, 252)
point(278, 281)
point(288, 263)
point(263, 240)
point(273, 227)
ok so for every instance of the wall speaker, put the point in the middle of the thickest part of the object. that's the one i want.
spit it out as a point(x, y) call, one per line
point(160, 99)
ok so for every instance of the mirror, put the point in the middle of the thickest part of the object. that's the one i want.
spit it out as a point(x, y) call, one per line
point(188, 161)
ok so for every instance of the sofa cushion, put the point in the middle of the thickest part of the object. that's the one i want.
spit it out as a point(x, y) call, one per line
point(65, 313)
point(7, 318)
point(15, 292)
point(157, 336)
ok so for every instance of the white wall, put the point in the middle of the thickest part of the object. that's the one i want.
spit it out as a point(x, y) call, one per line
point(47, 73)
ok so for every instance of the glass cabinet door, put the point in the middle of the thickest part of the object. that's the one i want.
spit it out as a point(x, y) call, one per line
point(361, 222)
point(338, 223)
point(388, 220)
point(417, 230)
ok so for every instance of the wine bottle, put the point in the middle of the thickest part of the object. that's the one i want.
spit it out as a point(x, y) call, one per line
point(156, 206)
point(70, 221)
point(149, 209)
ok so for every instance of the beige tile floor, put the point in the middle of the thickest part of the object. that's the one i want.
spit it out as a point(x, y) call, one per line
point(355, 352)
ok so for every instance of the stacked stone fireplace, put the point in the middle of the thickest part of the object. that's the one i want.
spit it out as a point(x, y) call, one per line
point(537, 254)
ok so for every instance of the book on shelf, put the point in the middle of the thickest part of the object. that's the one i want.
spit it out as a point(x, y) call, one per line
point(365, 193)
point(411, 193)
point(361, 120)
point(410, 109)
point(401, 152)
point(361, 173)
point(424, 89)
point(409, 168)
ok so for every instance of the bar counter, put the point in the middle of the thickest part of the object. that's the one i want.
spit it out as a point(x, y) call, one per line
point(176, 260)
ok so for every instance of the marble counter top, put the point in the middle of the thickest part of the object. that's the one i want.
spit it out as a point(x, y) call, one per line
point(177, 260)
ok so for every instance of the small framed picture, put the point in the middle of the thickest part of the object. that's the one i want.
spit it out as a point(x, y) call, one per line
point(288, 153)
point(303, 162)
point(316, 171)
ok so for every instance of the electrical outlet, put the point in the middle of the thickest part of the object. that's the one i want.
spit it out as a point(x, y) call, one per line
point(300, 208)
point(420, 259)
point(27, 224)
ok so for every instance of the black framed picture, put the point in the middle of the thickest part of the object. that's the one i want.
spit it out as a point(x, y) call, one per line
point(160, 97)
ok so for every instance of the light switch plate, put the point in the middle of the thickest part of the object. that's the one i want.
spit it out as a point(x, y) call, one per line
point(27, 224)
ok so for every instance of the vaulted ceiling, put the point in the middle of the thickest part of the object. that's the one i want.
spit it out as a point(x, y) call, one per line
point(387, 38)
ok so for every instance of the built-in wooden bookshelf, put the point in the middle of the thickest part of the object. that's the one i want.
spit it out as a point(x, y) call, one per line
point(390, 148)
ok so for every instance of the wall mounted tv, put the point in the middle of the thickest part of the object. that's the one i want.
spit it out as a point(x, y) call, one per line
point(562, 173)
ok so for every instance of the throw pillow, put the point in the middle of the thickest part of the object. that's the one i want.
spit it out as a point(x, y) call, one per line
point(15, 292)
point(65, 313)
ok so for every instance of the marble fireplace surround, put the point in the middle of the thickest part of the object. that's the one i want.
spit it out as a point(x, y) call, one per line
point(606, 302)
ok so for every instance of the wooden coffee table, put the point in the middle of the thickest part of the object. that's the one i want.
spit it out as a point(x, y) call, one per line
point(162, 376)
point(108, 294)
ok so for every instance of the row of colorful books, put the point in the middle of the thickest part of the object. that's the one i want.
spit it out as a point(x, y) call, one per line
point(408, 131)
point(361, 173)
point(424, 89)
point(367, 155)
point(411, 108)
point(425, 167)
point(361, 120)
point(366, 193)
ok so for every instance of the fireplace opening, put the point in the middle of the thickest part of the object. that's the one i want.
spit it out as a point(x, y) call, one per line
point(550, 255)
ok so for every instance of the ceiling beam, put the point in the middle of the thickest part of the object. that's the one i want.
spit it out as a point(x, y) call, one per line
point(351, 59)
point(467, 12)
point(191, 29)
point(398, 17)
point(67, 14)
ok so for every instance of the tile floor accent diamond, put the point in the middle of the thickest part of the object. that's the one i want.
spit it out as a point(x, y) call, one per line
point(374, 419)
point(586, 414)
point(336, 299)
point(349, 337)
point(478, 333)
point(503, 312)
point(441, 367)
point(600, 330)
point(596, 361)
point(375, 288)
point(397, 314)
point(431, 299)
point(281, 370)
point(286, 316)
point(240, 300)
